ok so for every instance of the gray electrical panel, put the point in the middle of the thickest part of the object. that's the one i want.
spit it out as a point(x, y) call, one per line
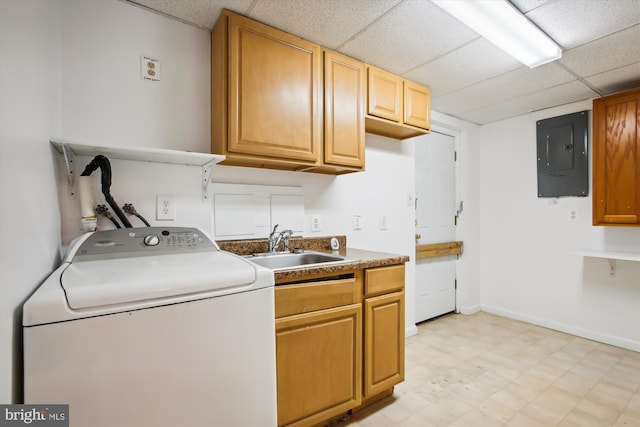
point(563, 163)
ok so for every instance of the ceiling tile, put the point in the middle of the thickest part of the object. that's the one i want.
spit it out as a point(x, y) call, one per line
point(564, 21)
point(547, 98)
point(467, 75)
point(527, 5)
point(409, 36)
point(472, 63)
point(608, 53)
point(329, 23)
point(521, 81)
point(617, 80)
point(202, 13)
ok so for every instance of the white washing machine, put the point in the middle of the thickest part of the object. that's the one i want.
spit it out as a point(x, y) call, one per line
point(153, 327)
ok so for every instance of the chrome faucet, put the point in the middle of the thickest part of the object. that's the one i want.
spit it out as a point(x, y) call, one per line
point(275, 239)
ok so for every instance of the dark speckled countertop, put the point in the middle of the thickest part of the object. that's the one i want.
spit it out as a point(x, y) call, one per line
point(362, 258)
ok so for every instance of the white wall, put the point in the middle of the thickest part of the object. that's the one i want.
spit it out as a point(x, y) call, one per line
point(528, 269)
point(104, 99)
point(29, 218)
point(71, 68)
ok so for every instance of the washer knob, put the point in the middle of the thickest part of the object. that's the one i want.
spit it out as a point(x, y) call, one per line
point(151, 240)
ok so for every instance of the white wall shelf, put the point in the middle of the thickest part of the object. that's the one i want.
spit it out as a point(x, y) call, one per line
point(626, 256)
point(71, 149)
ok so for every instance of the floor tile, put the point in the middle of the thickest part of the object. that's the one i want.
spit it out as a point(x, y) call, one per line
point(483, 370)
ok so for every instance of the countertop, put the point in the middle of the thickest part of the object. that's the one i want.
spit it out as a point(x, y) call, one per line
point(362, 258)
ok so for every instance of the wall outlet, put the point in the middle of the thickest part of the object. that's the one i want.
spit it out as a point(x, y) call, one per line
point(165, 207)
point(149, 68)
point(316, 223)
point(572, 215)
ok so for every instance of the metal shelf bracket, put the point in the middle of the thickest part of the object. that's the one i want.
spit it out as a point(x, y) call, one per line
point(69, 158)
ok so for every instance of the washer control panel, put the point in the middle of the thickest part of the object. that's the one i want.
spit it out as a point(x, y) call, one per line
point(143, 241)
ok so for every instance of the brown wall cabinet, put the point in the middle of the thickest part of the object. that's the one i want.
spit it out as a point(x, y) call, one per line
point(396, 107)
point(344, 95)
point(267, 97)
point(616, 159)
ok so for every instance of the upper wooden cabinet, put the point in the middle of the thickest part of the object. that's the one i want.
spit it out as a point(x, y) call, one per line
point(616, 159)
point(344, 94)
point(266, 99)
point(396, 108)
point(267, 94)
point(384, 94)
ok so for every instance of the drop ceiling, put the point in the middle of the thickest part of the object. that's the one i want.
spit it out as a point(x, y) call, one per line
point(469, 77)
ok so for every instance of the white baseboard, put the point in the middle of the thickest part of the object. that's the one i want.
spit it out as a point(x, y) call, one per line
point(471, 309)
point(410, 330)
point(562, 327)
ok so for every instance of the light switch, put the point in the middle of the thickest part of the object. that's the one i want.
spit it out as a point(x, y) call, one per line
point(316, 223)
point(384, 222)
point(357, 220)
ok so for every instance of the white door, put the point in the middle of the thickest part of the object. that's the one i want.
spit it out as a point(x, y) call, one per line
point(435, 223)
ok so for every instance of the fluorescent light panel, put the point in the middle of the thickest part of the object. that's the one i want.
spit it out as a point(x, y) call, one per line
point(503, 25)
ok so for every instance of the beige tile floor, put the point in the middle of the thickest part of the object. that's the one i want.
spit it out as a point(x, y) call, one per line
point(484, 370)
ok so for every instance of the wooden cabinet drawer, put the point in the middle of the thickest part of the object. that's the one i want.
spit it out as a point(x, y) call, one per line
point(383, 280)
point(314, 296)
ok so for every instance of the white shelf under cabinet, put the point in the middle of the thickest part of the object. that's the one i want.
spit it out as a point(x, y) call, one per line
point(69, 149)
point(626, 256)
point(144, 154)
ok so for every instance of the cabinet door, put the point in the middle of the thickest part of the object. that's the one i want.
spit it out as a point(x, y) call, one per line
point(417, 109)
point(383, 342)
point(384, 92)
point(616, 159)
point(275, 103)
point(344, 87)
point(319, 364)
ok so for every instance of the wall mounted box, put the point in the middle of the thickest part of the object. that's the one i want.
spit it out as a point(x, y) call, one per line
point(563, 166)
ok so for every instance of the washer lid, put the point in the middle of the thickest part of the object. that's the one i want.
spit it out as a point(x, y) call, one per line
point(121, 281)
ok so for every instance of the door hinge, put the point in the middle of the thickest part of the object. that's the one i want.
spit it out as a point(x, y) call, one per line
point(455, 156)
point(455, 284)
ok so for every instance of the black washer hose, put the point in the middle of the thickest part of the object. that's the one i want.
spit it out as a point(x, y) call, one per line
point(103, 163)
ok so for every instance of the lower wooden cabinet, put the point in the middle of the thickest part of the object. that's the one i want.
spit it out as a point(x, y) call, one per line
point(384, 342)
point(339, 341)
point(383, 329)
point(319, 364)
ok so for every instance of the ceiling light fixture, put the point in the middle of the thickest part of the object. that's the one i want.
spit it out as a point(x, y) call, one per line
point(506, 27)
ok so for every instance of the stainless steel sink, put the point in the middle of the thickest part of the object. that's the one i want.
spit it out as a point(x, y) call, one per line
point(287, 260)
